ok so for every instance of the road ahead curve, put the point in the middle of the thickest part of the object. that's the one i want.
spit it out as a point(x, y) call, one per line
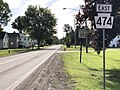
point(13, 69)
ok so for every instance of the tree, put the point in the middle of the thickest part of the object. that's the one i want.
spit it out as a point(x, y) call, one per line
point(49, 41)
point(52, 40)
point(67, 29)
point(19, 24)
point(55, 40)
point(5, 14)
point(39, 23)
point(89, 11)
point(72, 36)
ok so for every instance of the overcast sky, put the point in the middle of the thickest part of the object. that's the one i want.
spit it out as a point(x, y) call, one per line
point(18, 7)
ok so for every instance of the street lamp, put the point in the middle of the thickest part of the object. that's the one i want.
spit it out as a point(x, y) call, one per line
point(71, 9)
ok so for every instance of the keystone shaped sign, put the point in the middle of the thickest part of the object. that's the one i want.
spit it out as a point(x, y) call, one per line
point(104, 21)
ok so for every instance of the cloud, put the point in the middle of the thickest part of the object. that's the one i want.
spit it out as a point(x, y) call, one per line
point(50, 3)
point(13, 3)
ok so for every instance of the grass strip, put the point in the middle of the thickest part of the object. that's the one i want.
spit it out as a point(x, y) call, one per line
point(88, 75)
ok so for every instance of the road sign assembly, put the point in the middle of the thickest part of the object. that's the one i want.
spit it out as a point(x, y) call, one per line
point(104, 21)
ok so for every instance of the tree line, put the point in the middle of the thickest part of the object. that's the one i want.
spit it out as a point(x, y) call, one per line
point(38, 22)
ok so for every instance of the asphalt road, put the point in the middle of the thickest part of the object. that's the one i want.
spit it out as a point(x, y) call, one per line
point(14, 69)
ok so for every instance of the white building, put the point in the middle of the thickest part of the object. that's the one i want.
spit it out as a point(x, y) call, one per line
point(3, 40)
point(25, 40)
point(115, 42)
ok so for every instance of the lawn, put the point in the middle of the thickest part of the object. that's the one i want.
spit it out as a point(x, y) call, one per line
point(72, 48)
point(88, 75)
point(5, 52)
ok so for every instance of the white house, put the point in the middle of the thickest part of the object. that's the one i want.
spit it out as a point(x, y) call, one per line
point(25, 40)
point(115, 42)
point(3, 40)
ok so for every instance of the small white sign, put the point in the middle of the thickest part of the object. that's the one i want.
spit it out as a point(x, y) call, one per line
point(104, 21)
point(104, 8)
point(81, 33)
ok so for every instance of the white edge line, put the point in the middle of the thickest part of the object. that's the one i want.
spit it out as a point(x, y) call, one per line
point(14, 85)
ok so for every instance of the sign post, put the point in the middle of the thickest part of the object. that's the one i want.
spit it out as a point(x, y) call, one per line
point(104, 83)
point(104, 21)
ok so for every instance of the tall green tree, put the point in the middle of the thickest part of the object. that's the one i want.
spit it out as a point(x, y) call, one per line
point(19, 24)
point(52, 40)
point(55, 40)
point(39, 23)
point(70, 35)
point(5, 14)
point(67, 29)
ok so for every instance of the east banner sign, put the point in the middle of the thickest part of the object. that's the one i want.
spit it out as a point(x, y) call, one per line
point(104, 8)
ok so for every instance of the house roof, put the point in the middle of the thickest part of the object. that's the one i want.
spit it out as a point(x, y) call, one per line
point(2, 34)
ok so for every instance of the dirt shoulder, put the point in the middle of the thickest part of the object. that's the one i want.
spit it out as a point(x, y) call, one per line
point(50, 76)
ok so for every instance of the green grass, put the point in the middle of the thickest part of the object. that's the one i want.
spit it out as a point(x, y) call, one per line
point(72, 48)
point(88, 75)
point(4, 52)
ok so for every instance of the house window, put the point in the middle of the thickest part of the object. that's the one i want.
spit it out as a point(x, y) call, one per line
point(24, 38)
point(4, 44)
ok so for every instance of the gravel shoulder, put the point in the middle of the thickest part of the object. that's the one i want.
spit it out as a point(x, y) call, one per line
point(49, 76)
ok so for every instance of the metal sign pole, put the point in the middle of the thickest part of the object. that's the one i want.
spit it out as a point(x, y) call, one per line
point(104, 59)
point(81, 51)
